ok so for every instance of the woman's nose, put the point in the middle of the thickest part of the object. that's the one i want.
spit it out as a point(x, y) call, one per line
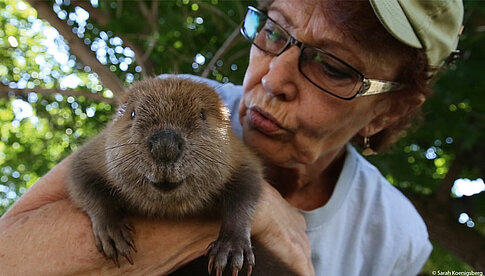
point(283, 75)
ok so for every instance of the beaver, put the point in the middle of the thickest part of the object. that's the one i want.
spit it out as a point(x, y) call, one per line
point(169, 152)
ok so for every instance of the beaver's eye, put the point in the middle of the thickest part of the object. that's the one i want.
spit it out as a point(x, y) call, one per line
point(202, 114)
point(133, 114)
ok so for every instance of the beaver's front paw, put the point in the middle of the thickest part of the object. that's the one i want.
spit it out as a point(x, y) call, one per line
point(114, 238)
point(232, 250)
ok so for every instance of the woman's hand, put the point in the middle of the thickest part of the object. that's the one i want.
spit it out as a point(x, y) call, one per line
point(59, 237)
point(44, 234)
point(281, 228)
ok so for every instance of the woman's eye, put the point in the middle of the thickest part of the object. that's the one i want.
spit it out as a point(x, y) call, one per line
point(329, 67)
point(334, 72)
point(273, 35)
point(330, 70)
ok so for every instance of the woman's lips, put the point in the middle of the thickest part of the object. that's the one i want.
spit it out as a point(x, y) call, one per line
point(263, 121)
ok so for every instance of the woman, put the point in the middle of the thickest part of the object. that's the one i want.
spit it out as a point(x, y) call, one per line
point(321, 73)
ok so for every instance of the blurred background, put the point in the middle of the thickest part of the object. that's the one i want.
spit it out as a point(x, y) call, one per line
point(63, 64)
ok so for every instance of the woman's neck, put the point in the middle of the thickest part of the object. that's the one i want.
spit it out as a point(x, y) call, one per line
point(308, 187)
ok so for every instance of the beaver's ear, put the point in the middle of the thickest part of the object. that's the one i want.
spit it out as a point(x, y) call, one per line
point(121, 108)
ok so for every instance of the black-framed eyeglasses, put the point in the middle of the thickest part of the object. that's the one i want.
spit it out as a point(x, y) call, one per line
point(326, 71)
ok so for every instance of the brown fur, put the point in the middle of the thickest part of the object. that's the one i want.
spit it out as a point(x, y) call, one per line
point(118, 172)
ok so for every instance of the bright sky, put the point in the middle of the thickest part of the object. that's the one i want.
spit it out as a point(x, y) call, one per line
point(467, 187)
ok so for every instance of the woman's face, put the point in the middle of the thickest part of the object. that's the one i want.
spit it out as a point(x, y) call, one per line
point(288, 120)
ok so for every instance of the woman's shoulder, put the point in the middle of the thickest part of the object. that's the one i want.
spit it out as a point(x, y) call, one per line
point(369, 221)
point(391, 217)
point(382, 195)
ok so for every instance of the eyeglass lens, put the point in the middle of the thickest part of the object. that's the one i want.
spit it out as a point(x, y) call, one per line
point(319, 67)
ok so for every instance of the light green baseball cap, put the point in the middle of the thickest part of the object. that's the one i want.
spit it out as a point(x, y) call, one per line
point(432, 25)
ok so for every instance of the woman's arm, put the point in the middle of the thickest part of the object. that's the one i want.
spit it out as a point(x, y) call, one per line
point(44, 234)
point(281, 228)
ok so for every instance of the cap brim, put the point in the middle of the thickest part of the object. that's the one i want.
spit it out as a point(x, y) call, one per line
point(394, 19)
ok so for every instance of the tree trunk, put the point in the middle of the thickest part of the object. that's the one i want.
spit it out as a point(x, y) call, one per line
point(4, 90)
point(81, 50)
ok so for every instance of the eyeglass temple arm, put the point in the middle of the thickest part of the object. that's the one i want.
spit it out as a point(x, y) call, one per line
point(372, 87)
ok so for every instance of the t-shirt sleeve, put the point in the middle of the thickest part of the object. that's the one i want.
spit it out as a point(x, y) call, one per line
point(414, 266)
point(414, 240)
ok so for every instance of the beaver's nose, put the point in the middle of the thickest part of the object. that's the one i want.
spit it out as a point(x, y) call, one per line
point(166, 145)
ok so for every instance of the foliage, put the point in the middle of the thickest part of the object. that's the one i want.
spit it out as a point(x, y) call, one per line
point(36, 130)
point(442, 260)
point(135, 39)
point(453, 126)
point(30, 146)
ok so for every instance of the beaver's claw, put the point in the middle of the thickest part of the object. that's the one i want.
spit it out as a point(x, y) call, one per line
point(234, 251)
point(114, 239)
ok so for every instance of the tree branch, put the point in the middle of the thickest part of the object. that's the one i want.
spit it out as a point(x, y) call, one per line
point(152, 20)
point(216, 11)
point(221, 51)
point(109, 80)
point(238, 54)
point(119, 8)
point(100, 17)
point(179, 55)
point(155, 5)
point(151, 45)
point(103, 18)
point(5, 90)
point(149, 16)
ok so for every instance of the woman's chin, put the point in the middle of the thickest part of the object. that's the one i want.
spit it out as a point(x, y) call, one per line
point(271, 150)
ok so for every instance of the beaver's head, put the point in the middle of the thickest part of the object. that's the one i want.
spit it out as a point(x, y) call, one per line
point(174, 134)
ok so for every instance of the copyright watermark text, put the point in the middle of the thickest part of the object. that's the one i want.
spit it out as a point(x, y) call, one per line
point(453, 272)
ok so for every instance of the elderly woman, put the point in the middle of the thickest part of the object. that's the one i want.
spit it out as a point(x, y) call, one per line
point(321, 74)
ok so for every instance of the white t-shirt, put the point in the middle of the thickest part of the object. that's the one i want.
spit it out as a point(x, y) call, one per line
point(368, 227)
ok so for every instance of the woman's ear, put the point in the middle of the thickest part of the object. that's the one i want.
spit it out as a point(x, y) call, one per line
point(395, 111)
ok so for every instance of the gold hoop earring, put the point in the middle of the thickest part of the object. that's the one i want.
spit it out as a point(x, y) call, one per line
point(367, 149)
